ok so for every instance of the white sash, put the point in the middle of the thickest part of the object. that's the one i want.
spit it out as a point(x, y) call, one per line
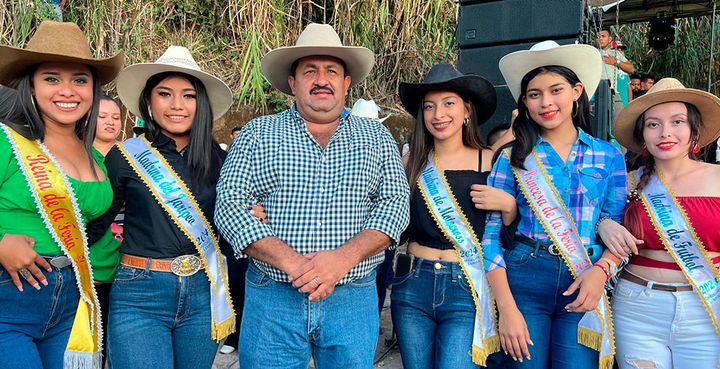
point(595, 329)
point(177, 200)
point(682, 243)
point(452, 221)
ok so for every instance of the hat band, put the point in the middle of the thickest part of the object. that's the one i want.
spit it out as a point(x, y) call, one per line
point(190, 64)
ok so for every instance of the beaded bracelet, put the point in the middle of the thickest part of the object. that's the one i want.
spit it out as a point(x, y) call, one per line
point(602, 218)
point(607, 274)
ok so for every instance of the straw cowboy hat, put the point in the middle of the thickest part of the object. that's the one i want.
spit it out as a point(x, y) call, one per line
point(316, 39)
point(367, 109)
point(56, 42)
point(669, 90)
point(445, 77)
point(584, 60)
point(131, 80)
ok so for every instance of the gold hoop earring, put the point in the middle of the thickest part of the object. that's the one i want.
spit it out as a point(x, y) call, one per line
point(32, 101)
point(150, 113)
point(576, 108)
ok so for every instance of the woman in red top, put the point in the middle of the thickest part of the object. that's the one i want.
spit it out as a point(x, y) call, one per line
point(667, 300)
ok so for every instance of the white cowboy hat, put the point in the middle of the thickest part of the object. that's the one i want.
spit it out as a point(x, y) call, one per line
point(316, 39)
point(584, 60)
point(668, 90)
point(367, 109)
point(131, 80)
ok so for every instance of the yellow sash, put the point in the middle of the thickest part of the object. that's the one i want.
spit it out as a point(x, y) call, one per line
point(58, 207)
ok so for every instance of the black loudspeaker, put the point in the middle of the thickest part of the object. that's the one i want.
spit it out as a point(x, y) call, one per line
point(518, 21)
point(489, 30)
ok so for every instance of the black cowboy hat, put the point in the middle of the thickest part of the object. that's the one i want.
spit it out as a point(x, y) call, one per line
point(444, 76)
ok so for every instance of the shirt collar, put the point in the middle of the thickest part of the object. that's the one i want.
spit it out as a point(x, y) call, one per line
point(582, 138)
point(343, 115)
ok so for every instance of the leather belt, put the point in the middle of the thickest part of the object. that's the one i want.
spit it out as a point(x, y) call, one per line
point(183, 266)
point(655, 286)
point(550, 247)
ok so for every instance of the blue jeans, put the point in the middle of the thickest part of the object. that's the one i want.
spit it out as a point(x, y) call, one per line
point(282, 329)
point(159, 320)
point(663, 329)
point(537, 281)
point(35, 324)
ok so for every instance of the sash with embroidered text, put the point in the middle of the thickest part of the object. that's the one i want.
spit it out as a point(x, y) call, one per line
point(178, 202)
point(595, 329)
point(452, 221)
point(58, 207)
point(681, 241)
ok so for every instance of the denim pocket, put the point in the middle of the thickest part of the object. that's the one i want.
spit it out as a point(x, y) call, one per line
point(398, 280)
point(518, 256)
point(366, 281)
point(464, 283)
point(4, 277)
point(128, 274)
point(629, 290)
point(256, 277)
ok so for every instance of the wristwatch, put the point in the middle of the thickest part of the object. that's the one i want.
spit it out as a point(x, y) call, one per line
point(611, 264)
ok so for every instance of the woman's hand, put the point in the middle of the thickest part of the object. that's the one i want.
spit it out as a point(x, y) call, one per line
point(491, 198)
point(592, 287)
point(619, 241)
point(258, 211)
point(17, 255)
point(514, 334)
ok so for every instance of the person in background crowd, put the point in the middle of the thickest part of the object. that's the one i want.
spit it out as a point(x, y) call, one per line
point(48, 167)
point(234, 132)
point(614, 63)
point(646, 83)
point(334, 190)
point(666, 305)
point(634, 84)
point(549, 284)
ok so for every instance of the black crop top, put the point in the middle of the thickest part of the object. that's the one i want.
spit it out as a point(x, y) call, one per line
point(425, 231)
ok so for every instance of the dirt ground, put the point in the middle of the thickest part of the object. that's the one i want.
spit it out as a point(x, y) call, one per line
point(385, 357)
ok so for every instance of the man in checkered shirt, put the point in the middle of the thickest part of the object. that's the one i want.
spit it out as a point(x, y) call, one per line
point(336, 196)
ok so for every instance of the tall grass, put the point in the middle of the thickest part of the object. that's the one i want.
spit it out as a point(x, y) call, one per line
point(228, 38)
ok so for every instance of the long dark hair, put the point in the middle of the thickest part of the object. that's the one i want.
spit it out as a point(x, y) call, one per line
point(25, 118)
point(422, 142)
point(202, 149)
point(647, 162)
point(527, 131)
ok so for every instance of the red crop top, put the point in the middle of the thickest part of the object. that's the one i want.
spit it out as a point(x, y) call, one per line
point(704, 214)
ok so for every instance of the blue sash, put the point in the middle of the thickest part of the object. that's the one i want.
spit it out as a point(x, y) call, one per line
point(452, 221)
point(681, 242)
point(595, 329)
point(177, 200)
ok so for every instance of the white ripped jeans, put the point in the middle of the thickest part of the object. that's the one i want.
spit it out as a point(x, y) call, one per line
point(663, 330)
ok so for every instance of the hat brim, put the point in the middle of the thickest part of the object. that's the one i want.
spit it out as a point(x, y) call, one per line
point(276, 64)
point(584, 60)
point(15, 60)
point(131, 81)
point(475, 88)
point(707, 104)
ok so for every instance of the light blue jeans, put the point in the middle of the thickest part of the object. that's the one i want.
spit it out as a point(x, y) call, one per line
point(35, 324)
point(537, 281)
point(669, 329)
point(282, 329)
point(159, 320)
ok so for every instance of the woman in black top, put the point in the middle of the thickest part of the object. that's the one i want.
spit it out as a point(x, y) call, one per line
point(162, 311)
point(433, 304)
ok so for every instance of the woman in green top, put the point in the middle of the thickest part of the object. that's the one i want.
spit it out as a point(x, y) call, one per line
point(57, 81)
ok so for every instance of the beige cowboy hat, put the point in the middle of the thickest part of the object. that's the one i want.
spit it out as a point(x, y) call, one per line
point(131, 80)
point(367, 109)
point(667, 90)
point(316, 39)
point(56, 42)
point(584, 60)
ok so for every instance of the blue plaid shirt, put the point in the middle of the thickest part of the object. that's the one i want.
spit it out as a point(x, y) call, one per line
point(316, 198)
point(593, 184)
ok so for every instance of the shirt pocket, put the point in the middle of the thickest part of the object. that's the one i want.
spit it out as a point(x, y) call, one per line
point(361, 170)
point(593, 182)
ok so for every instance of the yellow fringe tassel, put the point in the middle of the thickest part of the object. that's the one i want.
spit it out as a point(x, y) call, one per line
point(607, 362)
point(224, 329)
point(589, 338)
point(480, 355)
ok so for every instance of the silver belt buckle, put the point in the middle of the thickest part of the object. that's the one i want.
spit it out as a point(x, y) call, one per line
point(60, 261)
point(185, 265)
point(552, 250)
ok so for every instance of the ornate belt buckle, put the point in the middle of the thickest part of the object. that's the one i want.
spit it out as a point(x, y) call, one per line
point(185, 265)
point(552, 250)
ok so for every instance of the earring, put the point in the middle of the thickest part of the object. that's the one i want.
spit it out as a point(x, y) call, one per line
point(576, 108)
point(150, 113)
point(644, 151)
point(527, 115)
point(466, 121)
point(32, 101)
point(695, 149)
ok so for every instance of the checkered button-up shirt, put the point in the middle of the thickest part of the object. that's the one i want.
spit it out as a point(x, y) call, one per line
point(316, 198)
point(592, 184)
